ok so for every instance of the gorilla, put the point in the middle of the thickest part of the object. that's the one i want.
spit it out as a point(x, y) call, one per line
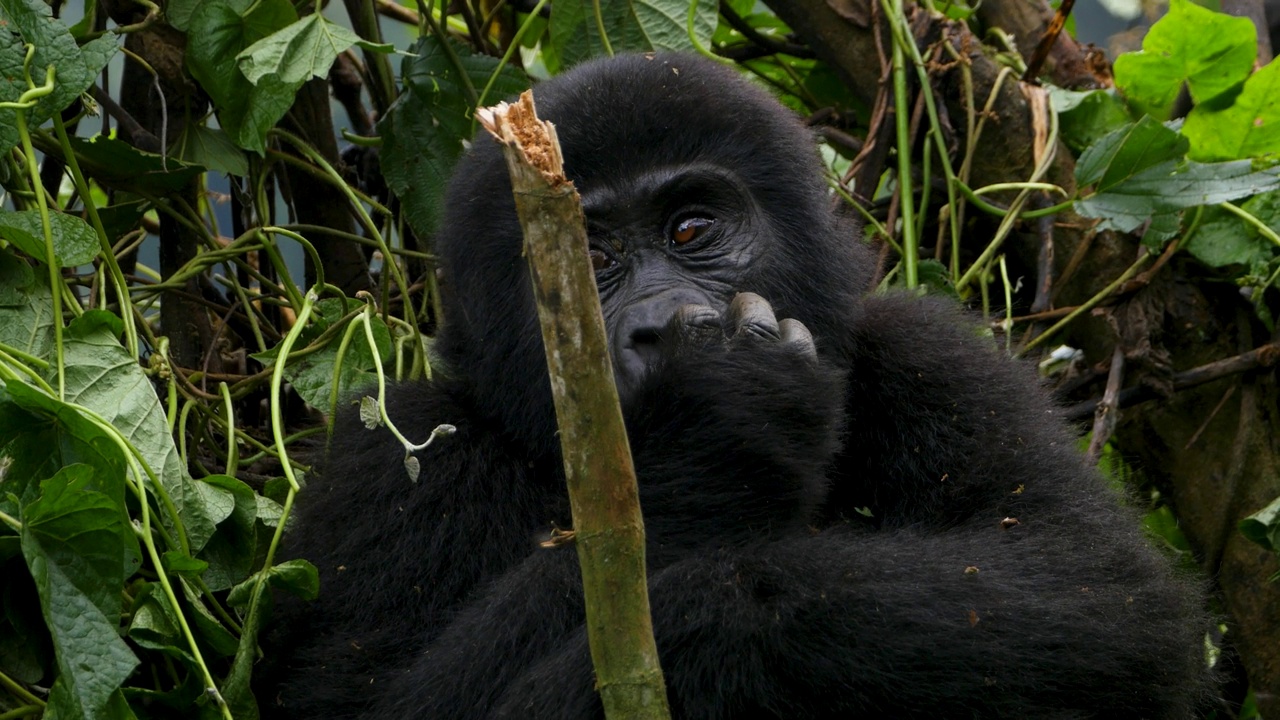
point(854, 505)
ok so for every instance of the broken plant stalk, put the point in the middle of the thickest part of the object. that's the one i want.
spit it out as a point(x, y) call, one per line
point(608, 528)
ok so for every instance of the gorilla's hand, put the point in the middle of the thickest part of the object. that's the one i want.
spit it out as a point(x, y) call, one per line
point(750, 318)
point(734, 426)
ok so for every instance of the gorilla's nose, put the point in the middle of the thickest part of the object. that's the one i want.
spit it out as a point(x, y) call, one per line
point(640, 335)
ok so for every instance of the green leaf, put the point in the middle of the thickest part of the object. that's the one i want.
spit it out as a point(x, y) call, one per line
point(211, 148)
point(121, 166)
point(423, 133)
point(1086, 117)
point(122, 217)
point(1128, 151)
point(298, 52)
point(207, 626)
point(74, 242)
point(666, 23)
point(73, 539)
point(1209, 51)
point(1169, 187)
point(16, 281)
point(232, 549)
point(575, 30)
point(31, 22)
point(295, 576)
point(102, 376)
point(219, 31)
point(236, 690)
point(26, 310)
point(1223, 239)
point(40, 435)
point(178, 13)
point(312, 374)
point(155, 625)
point(1164, 227)
point(175, 561)
point(1247, 128)
point(1263, 527)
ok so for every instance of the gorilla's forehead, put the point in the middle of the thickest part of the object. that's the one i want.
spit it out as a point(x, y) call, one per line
point(653, 191)
point(635, 112)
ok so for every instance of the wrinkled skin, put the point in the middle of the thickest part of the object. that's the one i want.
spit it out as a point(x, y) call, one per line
point(855, 507)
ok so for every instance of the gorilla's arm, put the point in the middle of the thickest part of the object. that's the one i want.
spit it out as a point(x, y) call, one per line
point(976, 622)
point(396, 556)
point(943, 426)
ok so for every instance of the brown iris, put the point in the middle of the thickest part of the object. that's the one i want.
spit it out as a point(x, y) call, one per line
point(690, 228)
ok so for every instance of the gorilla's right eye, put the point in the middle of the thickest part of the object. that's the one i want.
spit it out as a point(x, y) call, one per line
point(690, 228)
point(600, 260)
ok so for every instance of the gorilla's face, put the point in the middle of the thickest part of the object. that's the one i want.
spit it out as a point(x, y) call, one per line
point(674, 237)
point(696, 186)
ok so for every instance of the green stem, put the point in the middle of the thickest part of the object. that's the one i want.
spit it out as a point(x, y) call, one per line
point(512, 47)
point(108, 256)
point(910, 243)
point(46, 223)
point(1263, 229)
point(604, 36)
point(1090, 303)
point(277, 382)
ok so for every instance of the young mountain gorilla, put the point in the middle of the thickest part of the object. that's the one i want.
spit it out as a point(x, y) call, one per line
point(854, 505)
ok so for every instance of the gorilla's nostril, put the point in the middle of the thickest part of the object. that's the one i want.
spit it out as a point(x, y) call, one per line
point(645, 336)
point(646, 342)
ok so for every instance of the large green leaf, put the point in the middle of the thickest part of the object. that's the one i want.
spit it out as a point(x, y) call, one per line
point(575, 30)
point(31, 22)
point(40, 435)
point(667, 24)
point(1248, 127)
point(295, 576)
point(74, 242)
point(121, 166)
point(232, 549)
point(298, 52)
point(101, 375)
point(424, 132)
point(1128, 151)
point(1171, 186)
point(211, 148)
point(73, 538)
point(219, 30)
point(1210, 52)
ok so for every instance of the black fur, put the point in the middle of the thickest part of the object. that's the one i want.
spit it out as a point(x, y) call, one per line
point(996, 575)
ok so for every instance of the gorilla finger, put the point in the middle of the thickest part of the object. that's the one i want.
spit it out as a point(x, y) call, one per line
point(751, 314)
point(795, 334)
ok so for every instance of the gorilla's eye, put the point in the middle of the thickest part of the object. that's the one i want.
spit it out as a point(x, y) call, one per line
point(690, 228)
point(600, 260)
